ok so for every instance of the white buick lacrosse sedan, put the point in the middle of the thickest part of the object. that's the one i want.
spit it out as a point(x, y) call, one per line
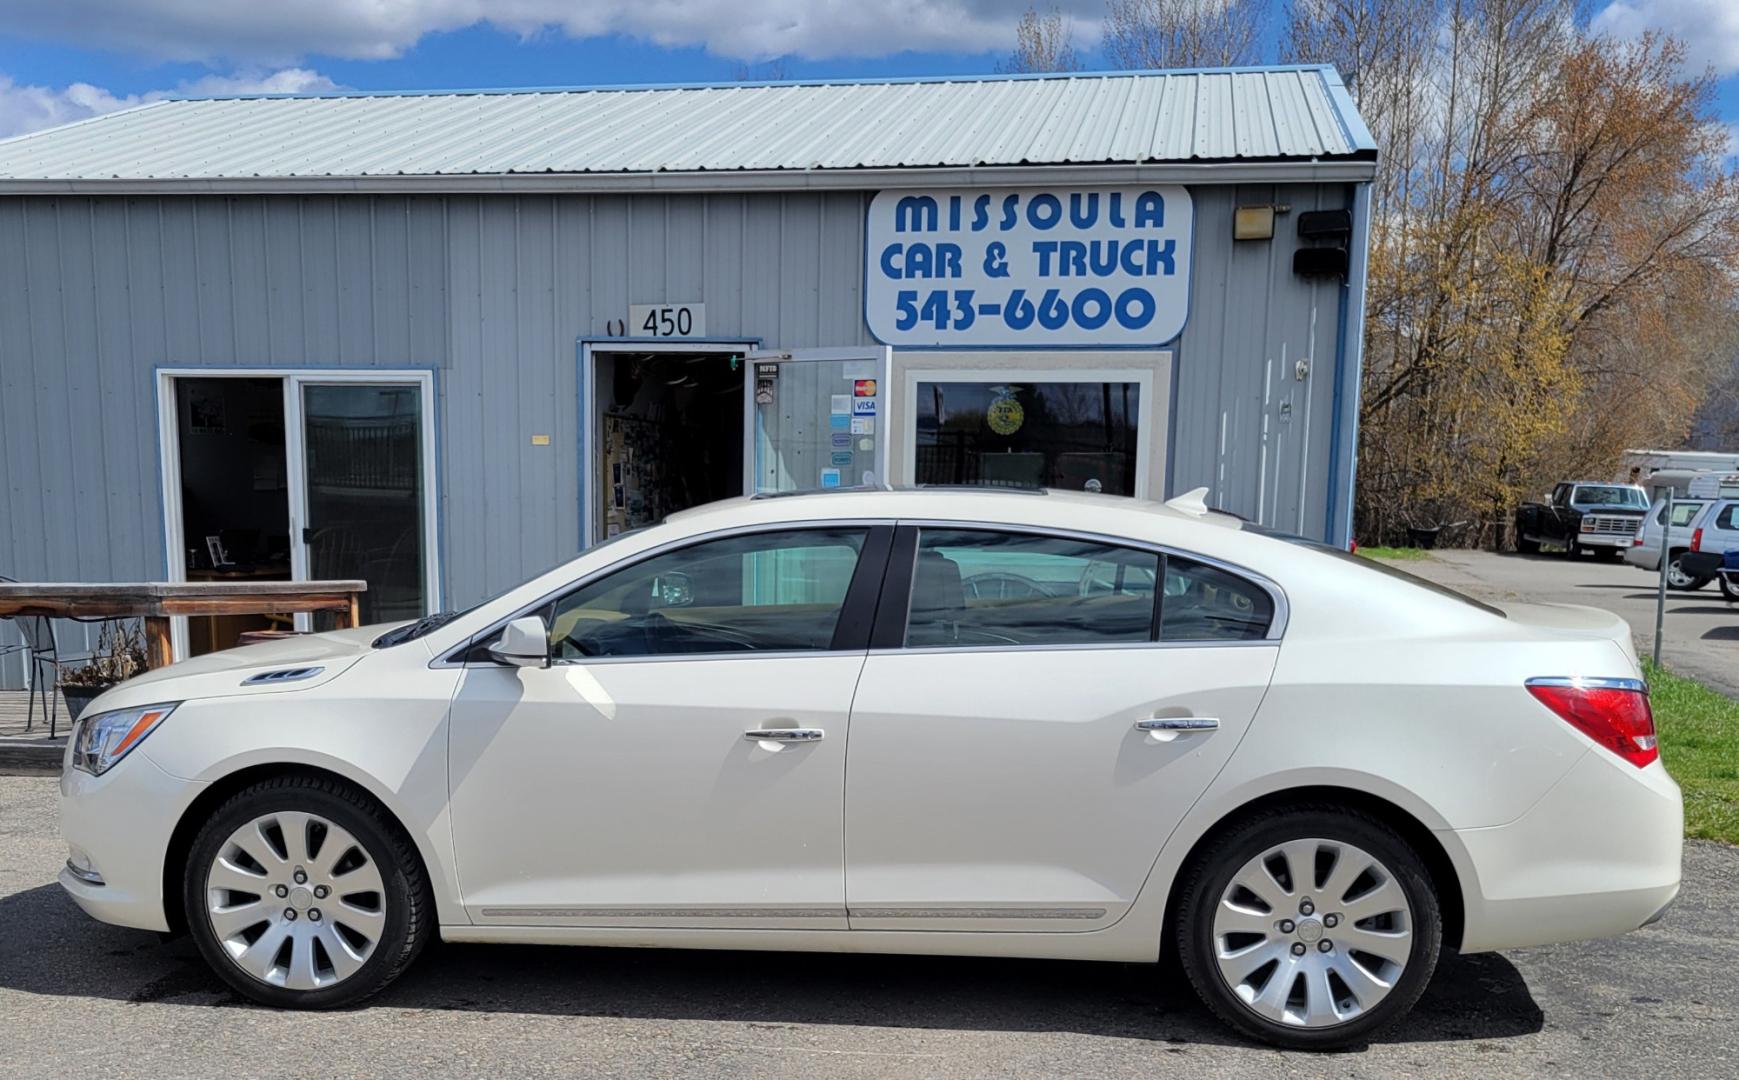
point(934, 721)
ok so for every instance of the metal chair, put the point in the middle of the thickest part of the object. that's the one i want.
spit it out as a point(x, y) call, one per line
point(42, 667)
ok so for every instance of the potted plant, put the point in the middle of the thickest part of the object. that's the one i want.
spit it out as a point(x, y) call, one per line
point(120, 655)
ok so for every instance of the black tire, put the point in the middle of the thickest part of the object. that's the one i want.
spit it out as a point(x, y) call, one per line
point(1729, 589)
point(1526, 546)
point(1676, 565)
point(1206, 878)
point(1572, 549)
point(1606, 554)
point(409, 919)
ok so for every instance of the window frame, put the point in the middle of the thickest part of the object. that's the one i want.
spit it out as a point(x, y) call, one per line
point(850, 634)
point(888, 634)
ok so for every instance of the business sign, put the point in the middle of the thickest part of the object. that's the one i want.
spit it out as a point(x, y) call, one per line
point(1100, 267)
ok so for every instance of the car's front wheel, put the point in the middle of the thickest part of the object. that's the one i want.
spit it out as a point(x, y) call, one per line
point(300, 892)
point(1730, 588)
point(1309, 928)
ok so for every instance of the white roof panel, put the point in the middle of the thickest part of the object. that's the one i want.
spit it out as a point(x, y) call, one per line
point(1222, 115)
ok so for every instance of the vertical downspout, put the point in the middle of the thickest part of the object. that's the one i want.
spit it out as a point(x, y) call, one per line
point(1348, 372)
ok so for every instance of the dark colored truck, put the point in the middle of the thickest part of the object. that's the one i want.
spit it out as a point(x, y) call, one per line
point(1582, 515)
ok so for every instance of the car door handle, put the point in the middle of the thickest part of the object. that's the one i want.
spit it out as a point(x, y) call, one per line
point(785, 734)
point(1178, 723)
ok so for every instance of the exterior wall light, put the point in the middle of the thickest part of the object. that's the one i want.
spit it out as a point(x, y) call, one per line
point(1253, 223)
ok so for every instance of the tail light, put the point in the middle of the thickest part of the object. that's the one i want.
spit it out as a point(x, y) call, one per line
point(1613, 712)
point(1637, 542)
point(1697, 540)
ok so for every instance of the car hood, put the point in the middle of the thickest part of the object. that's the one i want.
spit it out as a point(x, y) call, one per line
point(226, 673)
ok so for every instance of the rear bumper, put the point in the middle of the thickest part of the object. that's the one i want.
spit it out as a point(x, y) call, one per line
point(1643, 557)
point(1701, 563)
point(1598, 856)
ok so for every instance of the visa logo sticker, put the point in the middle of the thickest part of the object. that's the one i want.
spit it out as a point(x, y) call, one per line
point(863, 406)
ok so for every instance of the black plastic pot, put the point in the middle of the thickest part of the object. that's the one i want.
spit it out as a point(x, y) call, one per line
point(1422, 538)
point(77, 697)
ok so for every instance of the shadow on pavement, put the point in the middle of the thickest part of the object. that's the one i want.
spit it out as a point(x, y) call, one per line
point(1471, 997)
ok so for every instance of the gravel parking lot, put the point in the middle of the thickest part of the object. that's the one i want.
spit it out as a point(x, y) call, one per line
point(79, 998)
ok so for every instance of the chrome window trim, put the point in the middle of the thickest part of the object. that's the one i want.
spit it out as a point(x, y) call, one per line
point(1276, 624)
point(450, 658)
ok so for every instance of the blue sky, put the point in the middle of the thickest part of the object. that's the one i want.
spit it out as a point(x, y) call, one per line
point(69, 59)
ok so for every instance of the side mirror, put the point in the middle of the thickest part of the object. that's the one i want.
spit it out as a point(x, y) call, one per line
point(524, 643)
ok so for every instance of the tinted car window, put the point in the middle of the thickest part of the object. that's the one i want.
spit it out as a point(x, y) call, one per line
point(1205, 603)
point(1725, 520)
point(978, 587)
point(1683, 512)
point(780, 591)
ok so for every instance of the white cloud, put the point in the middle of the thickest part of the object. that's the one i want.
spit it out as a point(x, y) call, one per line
point(27, 108)
point(1708, 28)
point(278, 33)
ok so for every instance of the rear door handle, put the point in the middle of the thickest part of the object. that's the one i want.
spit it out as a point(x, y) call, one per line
point(785, 734)
point(1178, 723)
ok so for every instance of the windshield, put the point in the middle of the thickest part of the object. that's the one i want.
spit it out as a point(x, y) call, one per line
point(428, 624)
point(1375, 566)
point(1629, 498)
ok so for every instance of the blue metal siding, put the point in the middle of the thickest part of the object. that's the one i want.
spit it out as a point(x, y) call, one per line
point(493, 291)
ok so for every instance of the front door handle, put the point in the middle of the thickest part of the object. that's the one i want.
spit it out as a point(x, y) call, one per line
point(1178, 723)
point(785, 734)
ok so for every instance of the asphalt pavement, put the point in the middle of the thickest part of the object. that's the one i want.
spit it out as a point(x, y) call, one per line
point(78, 998)
point(1701, 638)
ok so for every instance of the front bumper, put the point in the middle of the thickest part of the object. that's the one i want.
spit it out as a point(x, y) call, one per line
point(1598, 856)
point(122, 822)
point(1605, 540)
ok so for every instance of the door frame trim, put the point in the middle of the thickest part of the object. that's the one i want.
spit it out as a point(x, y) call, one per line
point(586, 350)
point(291, 380)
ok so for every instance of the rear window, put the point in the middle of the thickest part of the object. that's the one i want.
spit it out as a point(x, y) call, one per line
point(1684, 512)
point(1724, 520)
point(1376, 567)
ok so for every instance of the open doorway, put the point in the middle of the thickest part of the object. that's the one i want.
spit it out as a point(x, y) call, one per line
point(667, 431)
point(234, 502)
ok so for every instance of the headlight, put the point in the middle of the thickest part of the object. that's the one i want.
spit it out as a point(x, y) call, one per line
point(106, 738)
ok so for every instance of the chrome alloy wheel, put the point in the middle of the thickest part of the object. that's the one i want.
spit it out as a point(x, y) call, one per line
point(295, 901)
point(1677, 577)
point(1312, 933)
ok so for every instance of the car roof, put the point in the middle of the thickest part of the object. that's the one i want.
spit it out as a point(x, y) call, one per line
point(1042, 507)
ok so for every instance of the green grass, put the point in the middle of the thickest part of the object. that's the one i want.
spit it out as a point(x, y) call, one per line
point(1699, 741)
point(1394, 554)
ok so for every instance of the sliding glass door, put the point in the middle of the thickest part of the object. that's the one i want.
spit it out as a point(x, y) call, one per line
point(306, 475)
point(363, 493)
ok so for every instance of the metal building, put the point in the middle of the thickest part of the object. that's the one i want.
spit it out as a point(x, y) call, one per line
point(441, 341)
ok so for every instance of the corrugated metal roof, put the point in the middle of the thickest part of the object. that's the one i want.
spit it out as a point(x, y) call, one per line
point(1220, 115)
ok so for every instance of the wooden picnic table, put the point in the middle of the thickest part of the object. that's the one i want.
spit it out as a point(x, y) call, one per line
point(156, 602)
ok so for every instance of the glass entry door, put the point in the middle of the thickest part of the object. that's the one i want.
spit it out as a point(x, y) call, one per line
point(304, 475)
point(816, 419)
point(363, 495)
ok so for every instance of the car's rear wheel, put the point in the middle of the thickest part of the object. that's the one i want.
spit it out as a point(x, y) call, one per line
point(1309, 928)
point(1680, 578)
point(301, 893)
